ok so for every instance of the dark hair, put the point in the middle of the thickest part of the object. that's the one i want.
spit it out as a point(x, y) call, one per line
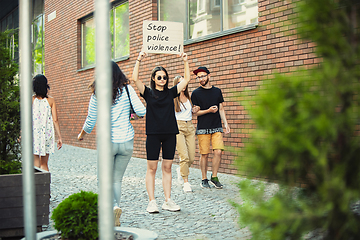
point(153, 73)
point(119, 80)
point(177, 99)
point(40, 86)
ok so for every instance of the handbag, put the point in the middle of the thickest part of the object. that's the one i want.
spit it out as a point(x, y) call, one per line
point(133, 115)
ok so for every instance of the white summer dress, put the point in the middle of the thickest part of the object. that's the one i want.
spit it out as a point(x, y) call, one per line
point(43, 128)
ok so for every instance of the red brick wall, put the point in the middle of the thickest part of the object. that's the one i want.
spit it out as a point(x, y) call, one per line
point(237, 62)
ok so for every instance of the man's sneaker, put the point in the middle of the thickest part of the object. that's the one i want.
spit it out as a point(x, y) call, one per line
point(152, 207)
point(215, 181)
point(170, 206)
point(117, 214)
point(187, 187)
point(179, 177)
point(204, 183)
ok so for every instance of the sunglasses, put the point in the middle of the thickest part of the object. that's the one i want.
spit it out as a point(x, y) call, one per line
point(163, 77)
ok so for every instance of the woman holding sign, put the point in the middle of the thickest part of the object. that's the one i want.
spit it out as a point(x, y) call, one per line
point(161, 127)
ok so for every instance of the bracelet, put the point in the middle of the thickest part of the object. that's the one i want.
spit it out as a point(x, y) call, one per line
point(138, 60)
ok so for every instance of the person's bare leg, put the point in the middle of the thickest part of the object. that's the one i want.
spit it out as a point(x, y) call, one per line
point(166, 177)
point(216, 162)
point(204, 165)
point(37, 161)
point(150, 178)
point(44, 162)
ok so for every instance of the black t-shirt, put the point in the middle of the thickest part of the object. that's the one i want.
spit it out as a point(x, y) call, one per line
point(160, 113)
point(204, 98)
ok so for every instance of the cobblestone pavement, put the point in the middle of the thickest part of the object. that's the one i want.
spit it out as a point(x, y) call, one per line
point(205, 213)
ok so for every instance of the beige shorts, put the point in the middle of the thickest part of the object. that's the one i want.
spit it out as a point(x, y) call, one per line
point(216, 142)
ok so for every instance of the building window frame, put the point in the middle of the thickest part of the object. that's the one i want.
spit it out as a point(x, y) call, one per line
point(38, 44)
point(216, 3)
point(201, 6)
point(90, 17)
point(222, 32)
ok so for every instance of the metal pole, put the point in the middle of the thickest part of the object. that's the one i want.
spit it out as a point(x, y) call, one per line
point(28, 179)
point(104, 97)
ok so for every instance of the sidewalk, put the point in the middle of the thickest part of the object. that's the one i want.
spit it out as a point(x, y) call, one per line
point(205, 213)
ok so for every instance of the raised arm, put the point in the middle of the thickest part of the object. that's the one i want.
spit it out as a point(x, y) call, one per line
point(186, 80)
point(139, 84)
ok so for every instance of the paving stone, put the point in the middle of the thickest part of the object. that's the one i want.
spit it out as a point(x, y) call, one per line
point(205, 213)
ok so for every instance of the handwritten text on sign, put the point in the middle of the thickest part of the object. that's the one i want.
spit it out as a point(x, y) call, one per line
point(163, 37)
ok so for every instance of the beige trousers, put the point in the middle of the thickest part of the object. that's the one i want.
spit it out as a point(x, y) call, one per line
point(185, 145)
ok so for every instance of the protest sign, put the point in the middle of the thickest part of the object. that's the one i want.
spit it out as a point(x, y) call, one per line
point(163, 37)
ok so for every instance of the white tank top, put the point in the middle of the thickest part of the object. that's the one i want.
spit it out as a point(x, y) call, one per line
point(185, 113)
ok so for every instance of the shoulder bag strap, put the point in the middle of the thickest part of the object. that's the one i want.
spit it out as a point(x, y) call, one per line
point(127, 91)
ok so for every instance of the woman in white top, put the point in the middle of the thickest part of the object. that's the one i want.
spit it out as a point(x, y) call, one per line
point(185, 140)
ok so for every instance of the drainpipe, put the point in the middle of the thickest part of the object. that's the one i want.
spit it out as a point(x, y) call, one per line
point(28, 178)
point(103, 83)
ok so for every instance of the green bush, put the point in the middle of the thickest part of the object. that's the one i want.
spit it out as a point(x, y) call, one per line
point(76, 217)
point(307, 131)
point(10, 109)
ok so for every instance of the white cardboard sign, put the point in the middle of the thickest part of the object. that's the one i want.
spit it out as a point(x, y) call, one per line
point(163, 37)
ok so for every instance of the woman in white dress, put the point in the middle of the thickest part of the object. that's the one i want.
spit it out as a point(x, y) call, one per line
point(44, 118)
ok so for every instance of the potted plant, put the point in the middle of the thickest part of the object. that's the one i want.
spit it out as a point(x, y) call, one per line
point(11, 198)
point(76, 217)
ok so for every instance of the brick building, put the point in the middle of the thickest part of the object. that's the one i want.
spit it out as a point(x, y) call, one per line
point(240, 41)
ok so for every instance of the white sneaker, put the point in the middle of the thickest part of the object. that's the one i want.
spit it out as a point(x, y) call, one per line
point(170, 206)
point(152, 207)
point(117, 214)
point(179, 177)
point(187, 187)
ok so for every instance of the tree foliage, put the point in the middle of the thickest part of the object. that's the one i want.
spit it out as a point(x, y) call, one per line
point(307, 131)
point(10, 109)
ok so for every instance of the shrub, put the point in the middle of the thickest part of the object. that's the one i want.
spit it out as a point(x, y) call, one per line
point(76, 217)
point(307, 131)
point(10, 109)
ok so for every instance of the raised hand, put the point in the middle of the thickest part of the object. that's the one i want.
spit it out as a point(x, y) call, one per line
point(141, 56)
point(184, 56)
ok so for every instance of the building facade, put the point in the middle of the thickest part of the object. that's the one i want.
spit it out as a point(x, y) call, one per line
point(241, 42)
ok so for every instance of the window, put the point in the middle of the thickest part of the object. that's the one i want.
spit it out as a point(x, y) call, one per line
point(237, 2)
point(11, 21)
point(88, 42)
point(37, 38)
point(173, 11)
point(119, 29)
point(202, 22)
point(38, 45)
point(201, 6)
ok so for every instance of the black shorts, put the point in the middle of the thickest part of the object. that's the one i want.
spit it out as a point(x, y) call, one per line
point(154, 142)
